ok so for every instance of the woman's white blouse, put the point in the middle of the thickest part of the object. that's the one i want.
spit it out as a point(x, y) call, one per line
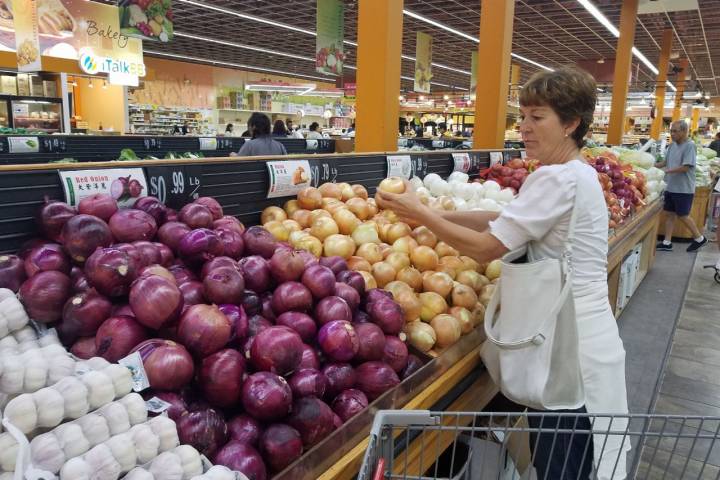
point(541, 214)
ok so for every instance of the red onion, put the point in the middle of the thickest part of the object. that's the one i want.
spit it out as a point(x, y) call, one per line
point(83, 234)
point(52, 218)
point(303, 324)
point(375, 378)
point(332, 308)
point(153, 207)
point(212, 205)
point(221, 377)
point(156, 269)
point(388, 315)
point(395, 353)
point(110, 271)
point(310, 358)
point(308, 382)
point(182, 274)
point(312, 418)
point(193, 292)
point(376, 295)
point(205, 430)
point(266, 396)
point(349, 403)
point(171, 215)
point(84, 313)
point(224, 285)
point(177, 403)
point(349, 294)
point(336, 264)
point(245, 429)
point(372, 342)
point(352, 278)
point(166, 255)
point(256, 324)
point(149, 253)
point(291, 296)
point(49, 256)
point(84, 348)
point(134, 253)
point(340, 376)
point(281, 445)
point(266, 310)
point(319, 280)
point(259, 241)
point(156, 301)
point(229, 222)
point(338, 340)
point(29, 245)
point(123, 310)
point(241, 457)
point(360, 317)
point(277, 350)
point(218, 262)
point(117, 336)
point(12, 272)
point(196, 216)
point(308, 258)
point(171, 233)
point(256, 271)
point(413, 365)
point(44, 295)
point(251, 302)
point(167, 364)
point(200, 245)
point(238, 320)
point(101, 205)
point(233, 243)
point(337, 421)
point(286, 266)
point(204, 329)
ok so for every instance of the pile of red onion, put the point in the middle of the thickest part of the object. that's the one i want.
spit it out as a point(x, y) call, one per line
point(225, 319)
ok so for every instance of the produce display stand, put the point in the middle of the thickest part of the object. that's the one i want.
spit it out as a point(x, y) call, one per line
point(698, 213)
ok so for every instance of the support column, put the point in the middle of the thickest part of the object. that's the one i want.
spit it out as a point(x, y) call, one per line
point(380, 26)
point(695, 119)
point(663, 66)
point(515, 70)
point(623, 62)
point(680, 90)
point(496, 24)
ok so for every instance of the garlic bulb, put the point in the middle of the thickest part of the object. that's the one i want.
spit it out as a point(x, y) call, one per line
point(50, 338)
point(116, 416)
point(76, 469)
point(221, 472)
point(136, 408)
point(121, 378)
point(72, 439)
point(166, 431)
point(46, 452)
point(123, 450)
point(96, 363)
point(27, 345)
point(50, 407)
point(100, 389)
point(8, 452)
point(8, 343)
point(94, 427)
point(102, 463)
point(147, 444)
point(12, 311)
point(75, 394)
point(60, 367)
point(13, 373)
point(166, 466)
point(190, 460)
point(138, 473)
point(22, 412)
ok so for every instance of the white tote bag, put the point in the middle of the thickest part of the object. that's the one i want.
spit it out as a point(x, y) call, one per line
point(531, 350)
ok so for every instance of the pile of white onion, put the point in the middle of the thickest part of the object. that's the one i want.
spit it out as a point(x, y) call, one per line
point(457, 194)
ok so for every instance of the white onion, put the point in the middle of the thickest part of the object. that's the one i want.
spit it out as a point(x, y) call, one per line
point(489, 205)
point(491, 185)
point(492, 195)
point(430, 179)
point(423, 192)
point(416, 183)
point(458, 177)
point(464, 191)
point(506, 195)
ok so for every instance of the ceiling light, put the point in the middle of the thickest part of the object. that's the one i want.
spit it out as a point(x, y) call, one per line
point(240, 45)
point(532, 62)
point(439, 25)
point(446, 97)
point(602, 60)
point(421, 98)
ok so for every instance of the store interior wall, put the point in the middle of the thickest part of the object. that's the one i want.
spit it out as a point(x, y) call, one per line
point(100, 105)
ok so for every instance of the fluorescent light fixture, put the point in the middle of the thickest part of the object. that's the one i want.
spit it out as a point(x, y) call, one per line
point(240, 45)
point(267, 87)
point(439, 25)
point(532, 62)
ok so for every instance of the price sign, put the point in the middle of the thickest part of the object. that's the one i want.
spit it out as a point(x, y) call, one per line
point(322, 172)
point(24, 144)
point(311, 144)
point(208, 143)
point(324, 144)
point(175, 186)
point(402, 142)
point(419, 167)
point(495, 157)
point(399, 166)
point(523, 154)
point(54, 144)
point(125, 185)
point(438, 144)
point(288, 177)
point(462, 162)
point(152, 143)
point(224, 143)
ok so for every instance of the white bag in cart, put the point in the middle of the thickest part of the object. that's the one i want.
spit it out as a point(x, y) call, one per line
point(531, 350)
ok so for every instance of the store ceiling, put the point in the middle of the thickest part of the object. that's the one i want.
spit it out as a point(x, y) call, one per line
point(550, 32)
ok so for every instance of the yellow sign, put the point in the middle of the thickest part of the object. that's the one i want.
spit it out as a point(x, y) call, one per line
point(27, 44)
point(423, 62)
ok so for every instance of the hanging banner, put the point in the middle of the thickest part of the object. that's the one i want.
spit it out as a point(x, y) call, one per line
point(329, 52)
point(423, 62)
point(27, 42)
point(473, 71)
point(146, 20)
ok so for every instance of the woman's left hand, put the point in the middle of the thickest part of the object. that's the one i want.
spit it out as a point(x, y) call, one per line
point(407, 206)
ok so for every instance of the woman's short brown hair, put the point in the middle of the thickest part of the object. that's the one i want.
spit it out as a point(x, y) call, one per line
point(569, 91)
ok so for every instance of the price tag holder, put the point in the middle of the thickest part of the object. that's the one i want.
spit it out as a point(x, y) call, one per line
point(462, 162)
point(495, 157)
point(24, 144)
point(322, 172)
point(208, 143)
point(224, 143)
point(288, 177)
point(438, 144)
point(311, 144)
point(399, 166)
point(133, 362)
point(175, 186)
point(152, 143)
point(523, 154)
point(125, 185)
point(402, 142)
point(54, 144)
point(419, 167)
point(157, 405)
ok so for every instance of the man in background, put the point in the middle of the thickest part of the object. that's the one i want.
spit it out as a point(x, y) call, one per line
point(715, 144)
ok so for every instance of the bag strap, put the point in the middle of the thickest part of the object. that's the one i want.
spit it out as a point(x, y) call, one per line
point(536, 339)
point(573, 222)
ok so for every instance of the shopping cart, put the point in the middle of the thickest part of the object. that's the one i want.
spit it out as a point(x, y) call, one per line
point(424, 445)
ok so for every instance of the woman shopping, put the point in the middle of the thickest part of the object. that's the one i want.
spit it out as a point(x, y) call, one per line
point(561, 202)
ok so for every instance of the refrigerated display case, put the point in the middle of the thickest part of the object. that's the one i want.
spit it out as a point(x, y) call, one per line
point(34, 113)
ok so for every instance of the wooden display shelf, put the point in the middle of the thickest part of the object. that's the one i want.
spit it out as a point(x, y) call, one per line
point(698, 214)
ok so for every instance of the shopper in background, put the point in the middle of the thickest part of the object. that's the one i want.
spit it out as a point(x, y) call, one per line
point(680, 190)
point(313, 133)
point(229, 129)
point(715, 144)
point(262, 142)
point(289, 125)
point(279, 129)
point(185, 128)
point(557, 110)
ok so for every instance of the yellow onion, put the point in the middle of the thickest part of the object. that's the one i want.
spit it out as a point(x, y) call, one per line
point(340, 245)
point(472, 279)
point(347, 191)
point(464, 296)
point(323, 227)
point(424, 258)
point(432, 305)
point(398, 260)
point(278, 230)
point(447, 270)
point(465, 317)
point(365, 233)
point(359, 207)
point(486, 294)
point(453, 262)
point(396, 286)
point(370, 281)
point(309, 198)
point(302, 217)
point(311, 244)
point(358, 263)
point(410, 303)
point(360, 191)
point(411, 276)
point(398, 230)
point(493, 270)
point(290, 206)
point(315, 214)
point(447, 329)
point(420, 335)
point(330, 190)
point(370, 252)
point(404, 244)
point(346, 221)
point(444, 250)
point(273, 213)
point(392, 185)
point(423, 236)
point(438, 282)
point(291, 225)
point(478, 314)
point(470, 264)
point(383, 272)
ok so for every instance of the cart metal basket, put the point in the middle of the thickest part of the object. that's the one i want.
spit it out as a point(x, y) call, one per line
point(424, 445)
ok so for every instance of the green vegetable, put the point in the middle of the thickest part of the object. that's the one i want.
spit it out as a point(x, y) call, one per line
point(172, 156)
point(128, 154)
point(64, 160)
